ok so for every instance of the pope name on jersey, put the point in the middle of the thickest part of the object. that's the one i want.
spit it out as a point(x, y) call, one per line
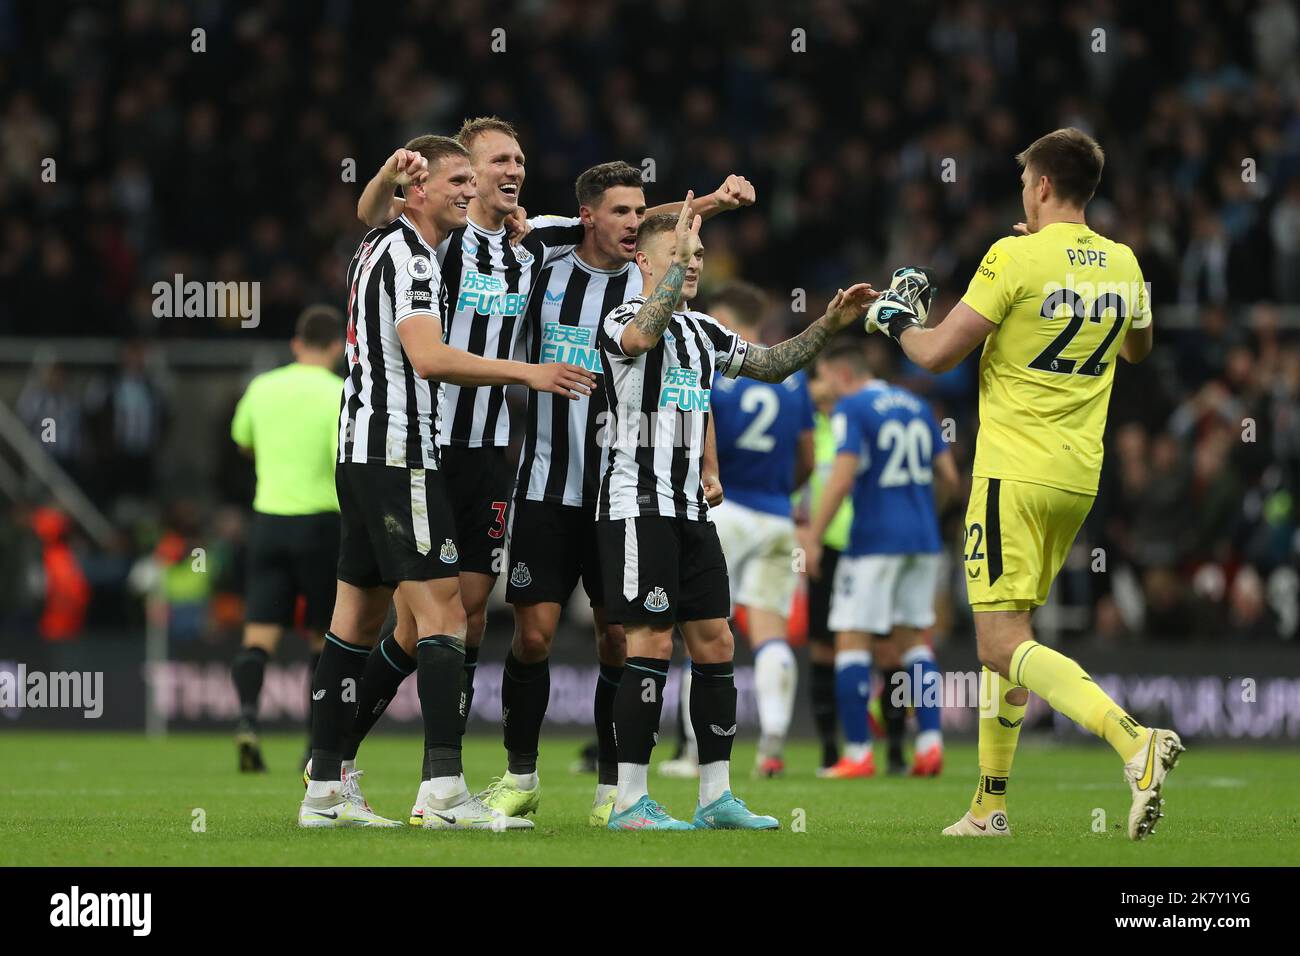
point(487, 282)
point(659, 412)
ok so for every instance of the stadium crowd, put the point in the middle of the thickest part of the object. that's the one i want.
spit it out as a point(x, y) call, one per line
point(876, 135)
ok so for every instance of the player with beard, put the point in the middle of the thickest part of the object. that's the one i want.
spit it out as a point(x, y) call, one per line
point(499, 172)
point(552, 528)
point(397, 541)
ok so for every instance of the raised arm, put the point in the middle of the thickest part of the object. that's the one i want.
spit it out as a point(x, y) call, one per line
point(774, 364)
point(735, 191)
point(647, 326)
point(377, 205)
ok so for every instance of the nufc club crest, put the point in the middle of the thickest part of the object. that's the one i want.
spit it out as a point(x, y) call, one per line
point(656, 600)
point(520, 577)
point(448, 553)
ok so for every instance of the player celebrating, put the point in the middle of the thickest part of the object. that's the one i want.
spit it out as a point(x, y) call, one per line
point(288, 420)
point(486, 285)
point(765, 452)
point(397, 541)
point(552, 527)
point(889, 452)
point(662, 562)
point(1054, 307)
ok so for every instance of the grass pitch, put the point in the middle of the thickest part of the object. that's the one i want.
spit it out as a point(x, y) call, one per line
point(105, 799)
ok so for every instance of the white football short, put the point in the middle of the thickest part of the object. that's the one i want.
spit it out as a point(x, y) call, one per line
point(760, 556)
point(875, 593)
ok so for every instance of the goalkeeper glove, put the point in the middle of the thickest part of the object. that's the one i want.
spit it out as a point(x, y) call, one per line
point(916, 284)
point(892, 314)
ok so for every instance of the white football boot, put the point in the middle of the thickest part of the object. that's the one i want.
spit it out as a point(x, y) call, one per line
point(994, 825)
point(466, 811)
point(339, 808)
point(1146, 774)
point(417, 811)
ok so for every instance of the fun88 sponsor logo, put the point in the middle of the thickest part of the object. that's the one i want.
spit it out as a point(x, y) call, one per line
point(486, 294)
point(682, 389)
point(570, 343)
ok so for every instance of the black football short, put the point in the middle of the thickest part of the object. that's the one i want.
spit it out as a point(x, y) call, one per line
point(479, 483)
point(661, 570)
point(397, 525)
point(552, 547)
point(288, 556)
point(819, 599)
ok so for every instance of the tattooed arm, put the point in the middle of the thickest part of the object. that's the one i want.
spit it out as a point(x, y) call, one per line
point(643, 332)
point(774, 364)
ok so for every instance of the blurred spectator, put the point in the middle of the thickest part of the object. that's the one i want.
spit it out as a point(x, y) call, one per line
point(233, 166)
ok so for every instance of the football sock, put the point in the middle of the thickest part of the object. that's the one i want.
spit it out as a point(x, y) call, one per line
point(247, 671)
point(852, 693)
point(715, 780)
point(440, 676)
point(332, 714)
point(774, 683)
point(606, 749)
point(893, 715)
point(713, 715)
point(1064, 685)
point(999, 729)
point(638, 705)
point(525, 692)
point(822, 687)
point(690, 747)
point(386, 667)
point(633, 784)
point(315, 662)
point(927, 699)
point(471, 665)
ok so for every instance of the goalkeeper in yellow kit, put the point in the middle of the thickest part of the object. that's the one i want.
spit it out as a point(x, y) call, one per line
point(1053, 306)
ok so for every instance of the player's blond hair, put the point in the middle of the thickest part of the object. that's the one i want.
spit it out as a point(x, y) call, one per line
point(472, 129)
point(1071, 159)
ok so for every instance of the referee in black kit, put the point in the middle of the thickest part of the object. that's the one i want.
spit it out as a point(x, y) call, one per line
point(287, 421)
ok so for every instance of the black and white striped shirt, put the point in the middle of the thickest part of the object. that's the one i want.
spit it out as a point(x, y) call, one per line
point(486, 282)
point(659, 401)
point(388, 414)
point(560, 459)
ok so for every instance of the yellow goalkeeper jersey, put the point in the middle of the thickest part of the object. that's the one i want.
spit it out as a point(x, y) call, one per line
point(1062, 300)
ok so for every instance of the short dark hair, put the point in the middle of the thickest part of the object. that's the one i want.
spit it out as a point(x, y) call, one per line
point(435, 148)
point(319, 326)
point(652, 226)
point(747, 302)
point(472, 129)
point(1071, 159)
point(594, 182)
point(851, 352)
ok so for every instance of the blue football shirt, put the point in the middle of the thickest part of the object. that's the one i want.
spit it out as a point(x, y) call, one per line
point(758, 426)
point(895, 437)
